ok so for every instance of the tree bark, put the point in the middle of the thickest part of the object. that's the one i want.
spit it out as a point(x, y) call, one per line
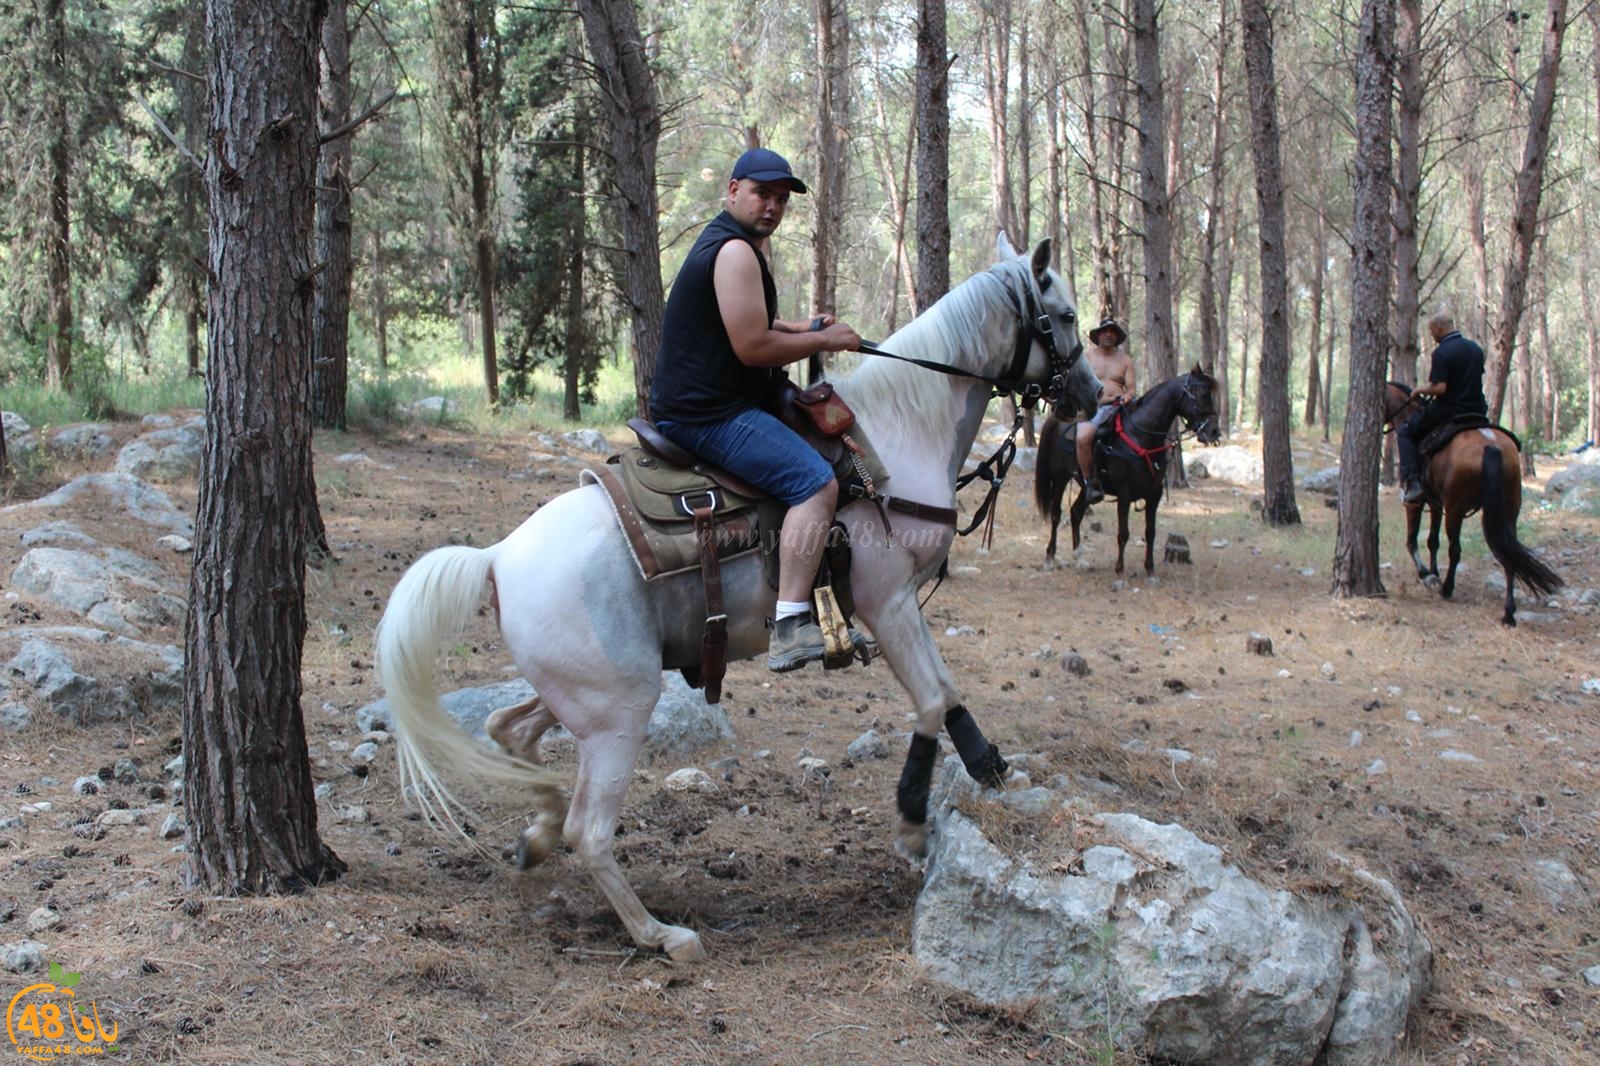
point(833, 119)
point(1211, 340)
point(247, 775)
point(1355, 559)
point(330, 344)
point(631, 110)
point(482, 99)
point(577, 357)
point(997, 92)
point(933, 154)
point(1272, 397)
point(1525, 219)
point(1099, 237)
point(191, 192)
point(58, 240)
point(1156, 211)
point(380, 304)
point(1407, 191)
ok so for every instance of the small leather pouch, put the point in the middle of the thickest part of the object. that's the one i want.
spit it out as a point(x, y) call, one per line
point(825, 408)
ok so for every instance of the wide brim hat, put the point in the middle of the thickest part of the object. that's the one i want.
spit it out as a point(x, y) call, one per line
point(1108, 324)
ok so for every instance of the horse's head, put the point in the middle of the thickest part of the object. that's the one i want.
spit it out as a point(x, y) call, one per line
point(1198, 405)
point(1398, 401)
point(1048, 321)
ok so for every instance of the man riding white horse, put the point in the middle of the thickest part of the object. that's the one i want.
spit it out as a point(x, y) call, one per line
point(722, 351)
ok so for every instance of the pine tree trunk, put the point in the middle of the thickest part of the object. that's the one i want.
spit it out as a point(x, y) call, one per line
point(330, 345)
point(1407, 192)
point(1099, 240)
point(1355, 559)
point(576, 342)
point(631, 110)
point(1327, 370)
point(997, 94)
point(380, 304)
point(1272, 397)
point(1525, 219)
point(247, 775)
point(933, 154)
point(58, 250)
point(191, 191)
point(481, 99)
point(1156, 216)
point(833, 119)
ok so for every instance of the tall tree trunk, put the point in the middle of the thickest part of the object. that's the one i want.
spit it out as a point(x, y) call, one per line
point(833, 119)
point(1549, 386)
point(577, 357)
point(1407, 191)
point(897, 176)
point(631, 110)
point(1272, 397)
point(1099, 235)
point(330, 343)
point(191, 192)
point(1327, 370)
point(58, 249)
point(380, 304)
point(1591, 322)
point(1224, 312)
point(997, 91)
point(1118, 46)
point(933, 154)
point(1024, 206)
point(1211, 338)
point(1244, 345)
point(1525, 219)
point(1156, 215)
point(1355, 557)
point(481, 100)
point(247, 775)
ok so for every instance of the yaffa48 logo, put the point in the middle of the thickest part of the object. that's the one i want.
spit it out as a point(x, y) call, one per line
point(44, 1020)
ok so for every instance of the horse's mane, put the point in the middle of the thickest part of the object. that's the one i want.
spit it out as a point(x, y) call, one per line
point(939, 335)
point(1402, 386)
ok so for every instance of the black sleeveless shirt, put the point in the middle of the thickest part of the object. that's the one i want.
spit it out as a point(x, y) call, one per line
point(698, 377)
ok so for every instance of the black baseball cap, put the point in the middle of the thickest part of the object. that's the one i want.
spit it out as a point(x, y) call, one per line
point(763, 164)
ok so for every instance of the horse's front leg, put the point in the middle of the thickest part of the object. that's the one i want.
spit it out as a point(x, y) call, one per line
point(908, 647)
point(1413, 524)
point(1057, 489)
point(1150, 533)
point(1123, 503)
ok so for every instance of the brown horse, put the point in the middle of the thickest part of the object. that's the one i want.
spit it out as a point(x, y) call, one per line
point(1472, 471)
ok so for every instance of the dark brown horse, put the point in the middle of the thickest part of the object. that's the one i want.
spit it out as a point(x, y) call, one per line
point(1478, 468)
point(1134, 467)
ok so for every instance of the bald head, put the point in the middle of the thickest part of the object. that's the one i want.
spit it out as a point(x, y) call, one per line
point(1441, 324)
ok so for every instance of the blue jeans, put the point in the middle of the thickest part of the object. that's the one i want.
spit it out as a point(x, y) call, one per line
point(755, 446)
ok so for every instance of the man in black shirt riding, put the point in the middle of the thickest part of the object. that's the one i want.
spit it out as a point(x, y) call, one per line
point(1456, 382)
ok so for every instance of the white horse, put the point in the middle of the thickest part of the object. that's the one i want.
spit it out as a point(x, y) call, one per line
point(593, 637)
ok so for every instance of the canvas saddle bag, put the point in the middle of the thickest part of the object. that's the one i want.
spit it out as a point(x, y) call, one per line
point(681, 514)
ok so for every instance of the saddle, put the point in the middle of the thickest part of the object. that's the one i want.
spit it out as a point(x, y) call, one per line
point(681, 514)
point(1442, 434)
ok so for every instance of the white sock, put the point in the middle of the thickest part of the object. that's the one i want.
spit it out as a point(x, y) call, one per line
point(790, 608)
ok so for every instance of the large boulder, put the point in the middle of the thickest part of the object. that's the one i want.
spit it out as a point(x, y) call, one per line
point(116, 590)
point(1577, 487)
point(166, 454)
point(681, 724)
point(1141, 935)
point(1325, 481)
point(1230, 462)
point(142, 502)
point(20, 440)
point(130, 678)
point(88, 441)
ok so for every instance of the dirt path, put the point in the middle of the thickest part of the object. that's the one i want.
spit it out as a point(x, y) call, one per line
point(1417, 737)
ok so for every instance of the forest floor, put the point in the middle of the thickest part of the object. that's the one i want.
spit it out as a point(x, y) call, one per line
point(1419, 737)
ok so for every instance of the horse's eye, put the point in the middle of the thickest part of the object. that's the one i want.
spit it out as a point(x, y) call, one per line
point(1069, 318)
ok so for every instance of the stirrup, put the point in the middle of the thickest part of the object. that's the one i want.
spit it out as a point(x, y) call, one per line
point(1092, 490)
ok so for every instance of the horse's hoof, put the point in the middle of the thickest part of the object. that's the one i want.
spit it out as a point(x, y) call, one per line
point(1049, 562)
point(1509, 620)
point(536, 844)
point(912, 842)
point(683, 945)
point(1432, 582)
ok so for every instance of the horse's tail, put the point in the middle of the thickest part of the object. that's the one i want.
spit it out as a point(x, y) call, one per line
point(1500, 530)
point(1046, 490)
point(435, 600)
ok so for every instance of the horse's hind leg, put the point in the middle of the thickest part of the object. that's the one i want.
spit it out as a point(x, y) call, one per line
point(1080, 507)
point(517, 728)
point(1452, 531)
point(605, 769)
point(1510, 617)
point(1435, 516)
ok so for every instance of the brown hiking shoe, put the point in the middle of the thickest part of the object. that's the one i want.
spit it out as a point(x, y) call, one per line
point(796, 641)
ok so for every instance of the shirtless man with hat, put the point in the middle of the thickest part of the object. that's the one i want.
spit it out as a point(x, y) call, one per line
point(1111, 363)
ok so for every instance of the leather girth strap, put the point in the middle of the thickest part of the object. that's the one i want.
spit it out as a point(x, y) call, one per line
point(714, 642)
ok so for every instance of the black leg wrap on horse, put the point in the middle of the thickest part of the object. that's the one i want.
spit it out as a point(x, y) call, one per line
point(912, 795)
point(981, 758)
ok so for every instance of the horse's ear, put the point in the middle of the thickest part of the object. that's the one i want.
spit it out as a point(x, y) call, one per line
point(1041, 259)
point(1199, 370)
point(1002, 247)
